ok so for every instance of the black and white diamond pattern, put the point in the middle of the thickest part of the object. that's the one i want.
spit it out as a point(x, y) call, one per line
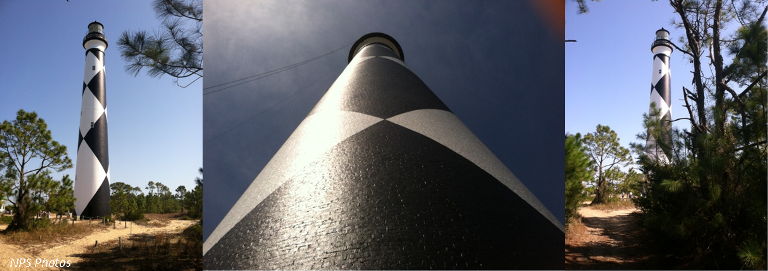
point(380, 175)
point(92, 170)
point(660, 96)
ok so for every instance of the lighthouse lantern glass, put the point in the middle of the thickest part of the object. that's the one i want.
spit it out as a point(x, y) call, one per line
point(662, 35)
point(95, 28)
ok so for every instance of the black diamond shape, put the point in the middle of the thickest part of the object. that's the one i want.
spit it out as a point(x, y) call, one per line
point(98, 87)
point(96, 52)
point(79, 138)
point(96, 138)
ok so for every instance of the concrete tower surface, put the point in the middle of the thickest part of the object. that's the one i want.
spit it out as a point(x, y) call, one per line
point(92, 170)
point(660, 93)
point(382, 175)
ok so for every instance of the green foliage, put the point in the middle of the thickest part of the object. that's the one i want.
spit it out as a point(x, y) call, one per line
point(175, 50)
point(630, 182)
point(193, 200)
point(752, 254)
point(607, 154)
point(40, 223)
point(132, 204)
point(750, 52)
point(128, 200)
point(707, 202)
point(132, 211)
point(181, 191)
point(62, 198)
point(34, 154)
point(194, 232)
point(577, 170)
point(6, 219)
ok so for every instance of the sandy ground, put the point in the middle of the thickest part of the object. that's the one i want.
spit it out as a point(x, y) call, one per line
point(8, 252)
point(71, 250)
point(609, 240)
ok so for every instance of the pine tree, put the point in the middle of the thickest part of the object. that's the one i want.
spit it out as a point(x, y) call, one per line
point(607, 154)
point(577, 171)
point(28, 153)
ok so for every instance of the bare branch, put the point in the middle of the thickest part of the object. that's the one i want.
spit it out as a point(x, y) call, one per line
point(690, 113)
point(750, 145)
point(759, 78)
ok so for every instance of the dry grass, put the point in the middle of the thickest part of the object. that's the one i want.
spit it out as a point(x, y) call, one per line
point(169, 216)
point(574, 228)
point(161, 251)
point(614, 206)
point(38, 239)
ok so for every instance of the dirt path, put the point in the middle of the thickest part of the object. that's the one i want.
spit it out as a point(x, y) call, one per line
point(609, 240)
point(73, 250)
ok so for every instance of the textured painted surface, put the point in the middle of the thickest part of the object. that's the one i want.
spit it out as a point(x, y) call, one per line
point(445, 128)
point(404, 202)
point(373, 194)
point(660, 95)
point(92, 168)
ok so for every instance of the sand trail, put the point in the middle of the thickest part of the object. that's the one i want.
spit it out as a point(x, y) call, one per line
point(72, 250)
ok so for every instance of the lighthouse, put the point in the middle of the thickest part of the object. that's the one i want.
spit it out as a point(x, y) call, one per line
point(662, 47)
point(92, 170)
point(382, 175)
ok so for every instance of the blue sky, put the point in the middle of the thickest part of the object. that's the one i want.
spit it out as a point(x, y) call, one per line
point(155, 127)
point(498, 65)
point(608, 69)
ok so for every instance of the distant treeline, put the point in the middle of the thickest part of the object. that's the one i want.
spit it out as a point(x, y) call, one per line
point(131, 203)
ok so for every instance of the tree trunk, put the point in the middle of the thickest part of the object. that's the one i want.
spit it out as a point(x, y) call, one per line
point(600, 191)
point(720, 112)
point(22, 215)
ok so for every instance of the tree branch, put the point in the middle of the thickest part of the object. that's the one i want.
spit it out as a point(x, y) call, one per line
point(762, 16)
point(753, 83)
point(690, 113)
point(733, 93)
point(751, 145)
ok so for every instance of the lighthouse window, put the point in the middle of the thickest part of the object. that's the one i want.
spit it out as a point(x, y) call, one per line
point(659, 71)
point(93, 67)
point(91, 124)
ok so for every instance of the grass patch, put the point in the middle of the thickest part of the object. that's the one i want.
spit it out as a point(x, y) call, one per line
point(6, 219)
point(574, 228)
point(48, 233)
point(161, 251)
point(152, 223)
point(614, 206)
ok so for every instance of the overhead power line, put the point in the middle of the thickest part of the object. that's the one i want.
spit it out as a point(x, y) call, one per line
point(265, 74)
point(265, 110)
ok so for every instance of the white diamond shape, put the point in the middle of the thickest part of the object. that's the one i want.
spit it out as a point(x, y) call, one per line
point(91, 110)
point(91, 61)
point(90, 174)
point(658, 65)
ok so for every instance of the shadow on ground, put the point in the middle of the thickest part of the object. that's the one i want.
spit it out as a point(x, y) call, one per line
point(628, 246)
point(157, 251)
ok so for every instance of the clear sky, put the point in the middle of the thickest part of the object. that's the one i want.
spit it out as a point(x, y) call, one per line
point(608, 69)
point(498, 65)
point(155, 127)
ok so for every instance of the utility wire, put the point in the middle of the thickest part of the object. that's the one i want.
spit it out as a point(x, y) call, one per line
point(265, 110)
point(272, 72)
